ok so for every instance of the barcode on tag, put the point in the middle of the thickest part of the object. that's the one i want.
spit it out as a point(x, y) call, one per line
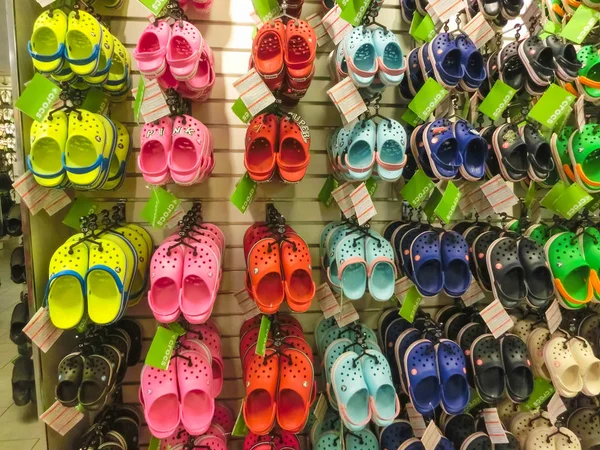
point(342, 198)
point(473, 294)
point(315, 21)
point(580, 113)
point(432, 436)
point(402, 286)
point(154, 105)
point(41, 330)
point(363, 204)
point(434, 17)
point(553, 317)
point(176, 217)
point(56, 200)
point(416, 420)
point(497, 319)
point(61, 418)
point(479, 30)
point(556, 407)
point(347, 315)
point(327, 301)
point(335, 26)
point(31, 193)
point(347, 100)
point(500, 197)
point(254, 92)
point(247, 304)
point(494, 426)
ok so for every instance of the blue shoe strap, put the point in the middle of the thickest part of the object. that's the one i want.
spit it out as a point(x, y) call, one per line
point(42, 175)
point(60, 53)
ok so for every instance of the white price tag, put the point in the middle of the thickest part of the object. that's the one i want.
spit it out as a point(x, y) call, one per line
point(580, 113)
point(254, 92)
point(335, 26)
point(247, 304)
point(176, 217)
point(61, 418)
point(532, 11)
point(363, 204)
point(500, 197)
point(347, 100)
point(497, 319)
point(154, 104)
point(342, 198)
point(347, 315)
point(479, 31)
point(473, 294)
point(434, 17)
point(553, 317)
point(470, 194)
point(56, 200)
point(494, 426)
point(556, 407)
point(402, 286)
point(315, 21)
point(44, 3)
point(432, 436)
point(416, 420)
point(42, 331)
point(327, 301)
point(31, 193)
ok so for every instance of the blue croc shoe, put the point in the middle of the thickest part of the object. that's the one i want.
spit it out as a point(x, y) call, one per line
point(425, 63)
point(390, 59)
point(361, 57)
point(395, 434)
point(422, 375)
point(392, 333)
point(453, 376)
point(332, 353)
point(389, 229)
point(351, 391)
point(385, 318)
point(322, 327)
point(407, 8)
point(395, 241)
point(444, 444)
point(359, 156)
point(406, 339)
point(352, 267)
point(473, 148)
point(417, 148)
point(391, 150)
point(383, 400)
point(340, 145)
point(442, 149)
point(455, 263)
point(446, 59)
point(380, 267)
point(473, 64)
point(330, 264)
point(338, 68)
point(414, 73)
point(412, 444)
point(426, 259)
point(329, 423)
point(405, 244)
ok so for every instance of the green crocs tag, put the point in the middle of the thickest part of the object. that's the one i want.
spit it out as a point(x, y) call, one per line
point(557, 190)
point(154, 443)
point(427, 99)
point(496, 102)
point(155, 6)
point(443, 204)
point(83, 324)
point(353, 11)
point(422, 28)
point(580, 25)
point(325, 194)
point(594, 205)
point(81, 207)
point(240, 429)
point(263, 334)
point(571, 201)
point(96, 101)
point(530, 195)
point(552, 27)
point(244, 193)
point(410, 118)
point(551, 106)
point(542, 391)
point(266, 9)
point(371, 185)
point(177, 328)
point(38, 98)
point(411, 304)
point(241, 111)
point(161, 348)
point(474, 400)
point(161, 206)
point(139, 99)
point(418, 188)
point(561, 122)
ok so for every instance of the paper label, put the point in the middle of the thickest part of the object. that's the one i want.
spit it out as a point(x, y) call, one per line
point(263, 334)
point(470, 194)
point(347, 315)
point(44, 3)
point(315, 21)
point(335, 26)
point(161, 206)
point(81, 207)
point(244, 193)
point(580, 25)
point(571, 201)
point(56, 200)
point(542, 391)
point(254, 92)
point(417, 189)
point(556, 407)
point(497, 100)
point(240, 429)
point(241, 111)
point(410, 117)
point(553, 317)
point(443, 205)
point(61, 418)
point(497, 319)
point(553, 194)
point(416, 420)
point(353, 11)
point(410, 304)
point(31, 193)
point(266, 9)
point(479, 30)
point(38, 98)
point(494, 426)
point(161, 348)
point(154, 105)
point(363, 204)
point(434, 17)
point(501, 198)
point(347, 100)
point(447, 9)
point(427, 99)
point(327, 301)
point(154, 6)
point(343, 199)
point(431, 437)
point(551, 106)
point(326, 192)
point(473, 294)
point(247, 304)
point(41, 330)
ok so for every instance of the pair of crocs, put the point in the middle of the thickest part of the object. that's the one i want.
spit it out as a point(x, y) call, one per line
point(588, 80)
point(355, 262)
point(275, 145)
point(279, 267)
point(327, 331)
point(521, 152)
point(86, 150)
point(582, 149)
point(523, 423)
point(368, 149)
point(572, 365)
point(186, 273)
point(280, 440)
point(516, 65)
point(176, 150)
point(373, 54)
point(499, 11)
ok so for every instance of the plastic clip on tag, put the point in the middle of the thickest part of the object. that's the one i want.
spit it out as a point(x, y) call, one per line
point(325, 194)
point(542, 391)
point(418, 188)
point(580, 25)
point(500, 197)
point(245, 189)
point(266, 9)
point(81, 207)
point(154, 6)
point(240, 429)
point(363, 204)
point(161, 348)
point(473, 294)
point(571, 201)
point(56, 200)
point(316, 21)
point(241, 111)
point(247, 304)
point(431, 437)
point(263, 334)
point(497, 100)
point(254, 92)
point(443, 204)
point(427, 99)
point(347, 100)
point(327, 301)
point(410, 304)
point(494, 426)
point(38, 98)
point(553, 317)
point(343, 199)
point(347, 315)
point(335, 26)
point(416, 420)
point(551, 106)
point(353, 11)
point(497, 319)
point(60, 418)
point(479, 30)
point(161, 206)
point(139, 93)
point(447, 9)
point(556, 407)
point(41, 330)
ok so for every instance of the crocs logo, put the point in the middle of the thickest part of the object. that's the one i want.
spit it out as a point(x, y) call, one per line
point(166, 215)
point(98, 139)
point(434, 102)
point(580, 204)
point(587, 28)
point(558, 113)
point(164, 362)
point(503, 104)
point(45, 106)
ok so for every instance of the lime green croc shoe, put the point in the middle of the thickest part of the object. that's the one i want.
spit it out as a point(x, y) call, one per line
point(118, 76)
point(573, 277)
point(584, 151)
point(107, 48)
point(84, 36)
point(118, 162)
point(589, 243)
point(588, 81)
point(140, 278)
point(65, 74)
point(559, 144)
point(48, 141)
point(47, 44)
point(107, 154)
point(538, 232)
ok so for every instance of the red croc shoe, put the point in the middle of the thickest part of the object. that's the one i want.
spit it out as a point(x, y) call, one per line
point(297, 270)
point(261, 147)
point(268, 53)
point(293, 156)
point(296, 379)
point(300, 48)
point(260, 405)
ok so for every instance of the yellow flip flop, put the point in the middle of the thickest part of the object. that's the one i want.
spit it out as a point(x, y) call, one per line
point(84, 36)
point(47, 43)
point(140, 278)
point(48, 140)
point(65, 291)
point(118, 76)
point(107, 47)
point(118, 162)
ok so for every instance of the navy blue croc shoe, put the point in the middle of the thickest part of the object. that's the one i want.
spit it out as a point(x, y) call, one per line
point(395, 434)
point(442, 149)
point(455, 263)
point(473, 64)
point(446, 59)
point(473, 148)
point(426, 260)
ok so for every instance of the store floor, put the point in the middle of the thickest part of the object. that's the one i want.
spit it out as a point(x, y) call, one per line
point(20, 428)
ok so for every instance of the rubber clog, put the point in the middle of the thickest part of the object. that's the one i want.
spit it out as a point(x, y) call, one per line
point(383, 401)
point(268, 53)
point(352, 267)
point(442, 149)
point(390, 158)
point(300, 48)
point(473, 148)
point(105, 60)
point(511, 152)
point(390, 60)
point(588, 243)
point(473, 64)
point(583, 154)
point(395, 434)
point(538, 59)
point(131, 256)
point(362, 440)
point(422, 376)
point(381, 270)
point(426, 263)
point(119, 81)
point(48, 141)
point(351, 392)
point(540, 287)
point(361, 56)
point(446, 59)
point(566, 64)
point(541, 163)
point(588, 81)
point(322, 327)
point(83, 40)
point(359, 156)
point(296, 380)
point(151, 49)
point(293, 156)
point(95, 383)
point(262, 145)
point(202, 83)
point(298, 284)
point(535, 346)
point(455, 263)
point(264, 266)
point(517, 367)
point(458, 428)
point(565, 372)
point(489, 374)
point(585, 424)
point(118, 162)
point(452, 372)
point(160, 400)
point(47, 44)
point(190, 146)
point(588, 363)
point(183, 50)
point(70, 374)
point(194, 378)
point(259, 407)
point(507, 275)
point(200, 282)
point(165, 282)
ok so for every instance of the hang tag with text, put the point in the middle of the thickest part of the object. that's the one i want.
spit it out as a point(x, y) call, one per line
point(155, 444)
point(254, 92)
point(327, 301)
point(96, 101)
point(138, 94)
point(335, 26)
point(496, 318)
point(580, 25)
point(500, 196)
point(479, 30)
point(56, 200)
point(81, 207)
point(247, 304)
point(552, 195)
point(542, 391)
point(161, 206)
point(494, 427)
point(556, 407)
point(347, 100)
point(241, 111)
point(410, 304)
point(417, 189)
point(41, 330)
point(571, 201)
point(347, 315)
point(473, 294)
point(266, 10)
point(154, 104)
point(431, 437)
point(244, 193)
point(416, 420)
point(343, 199)
point(497, 100)
point(240, 429)
point(263, 334)
point(553, 317)
point(38, 98)
point(60, 418)
point(315, 21)
point(422, 28)
point(552, 106)
point(402, 286)
point(320, 408)
point(31, 193)
point(427, 99)
point(446, 9)
point(161, 348)
point(443, 204)
point(326, 193)
point(363, 204)
point(353, 11)
point(154, 6)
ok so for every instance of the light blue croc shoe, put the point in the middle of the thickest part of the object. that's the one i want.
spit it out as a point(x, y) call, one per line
point(351, 391)
point(359, 155)
point(322, 327)
point(383, 400)
point(331, 242)
point(362, 440)
point(330, 440)
point(329, 423)
point(390, 60)
point(351, 266)
point(390, 158)
point(380, 267)
point(361, 57)
point(322, 246)
point(339, 148)
point(332, 353)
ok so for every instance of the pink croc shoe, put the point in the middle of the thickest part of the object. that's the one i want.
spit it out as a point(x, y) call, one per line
point(211, 442)
point(195, 390)
point(183, 50)
point(224, 417)
point(155, 146)
point(166, 271)
point(202, 83)
point(159, 395)
point(190, 141)
point(151, 49)
point(180, 437)
point(167, 80)
point(212, 340)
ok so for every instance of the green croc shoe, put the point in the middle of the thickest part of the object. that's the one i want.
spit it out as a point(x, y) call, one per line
point(48, 141)
point(84, 36)
point(589, 243)
point(107, 48)
point(47, 44)
point(584, 151)
point(555, 10)
point(118, 162)
point(559, 144)
point(572, 274)
point(538, 232)
point(594, 4)
point(588, 82)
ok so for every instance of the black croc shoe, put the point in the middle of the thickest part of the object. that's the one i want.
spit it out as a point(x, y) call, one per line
point(477, 441)
point(488, 368)
point(511, 69)
point(538, 60)
point(539, 153)
point(566, 63)
point(540, 285)
point(511, 9)
point(489, 8)
point(506, 272)
point(492, 168)
point(458, 428)
point(511, 152)
point(534, 89)
point(480, 248)
point(517, 368)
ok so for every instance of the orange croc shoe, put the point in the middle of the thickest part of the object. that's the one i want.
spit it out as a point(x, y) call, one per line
point(297, 271)
point(268, 53)
point(261, 377)
point(300, 48)
point(293, 156)
point(261, 147)
point(264, 267)
point(296, 379)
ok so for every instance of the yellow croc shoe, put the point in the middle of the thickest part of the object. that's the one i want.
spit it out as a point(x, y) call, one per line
point(118, 76)
point(65, 291)
point(140, 279)
point(118, 162)
point(84, 37)
point(47, 44)
point(48, 140)
point(107, 48)
point(64, 74)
